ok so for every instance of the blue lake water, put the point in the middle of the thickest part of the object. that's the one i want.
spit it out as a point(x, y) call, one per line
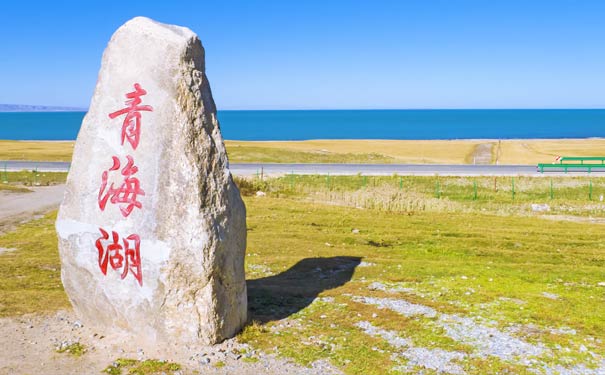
point(350, 124)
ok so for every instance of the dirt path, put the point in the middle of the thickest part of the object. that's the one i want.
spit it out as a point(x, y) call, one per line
point(16, 207)
point(482, 154)
point(29, 346)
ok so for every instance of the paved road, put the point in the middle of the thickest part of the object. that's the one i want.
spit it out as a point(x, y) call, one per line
point(39, 200)
point(42, 166)
point(384, 169)
point(17, 207)
point(338, 169)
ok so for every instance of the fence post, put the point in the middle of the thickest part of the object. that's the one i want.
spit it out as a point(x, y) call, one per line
point(590, 190)
point(475, 188)
point(328, 181)
point(552, 195)
point(513, 187)
point(437, 189)
point(261, 173)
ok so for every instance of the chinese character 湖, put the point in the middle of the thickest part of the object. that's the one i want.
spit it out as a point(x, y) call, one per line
point(125, 257)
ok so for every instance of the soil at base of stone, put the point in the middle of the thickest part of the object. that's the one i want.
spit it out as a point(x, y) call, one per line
point(29, 346)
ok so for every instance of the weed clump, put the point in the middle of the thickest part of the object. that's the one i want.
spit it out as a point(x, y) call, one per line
point(249, 187)
point(74, 348)
point(147, 367)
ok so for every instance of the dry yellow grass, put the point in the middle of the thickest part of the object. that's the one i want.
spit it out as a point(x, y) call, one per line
point(37, 151)
point(533, 151)
point(411, 152)
point(516, 151)
point(530, 151)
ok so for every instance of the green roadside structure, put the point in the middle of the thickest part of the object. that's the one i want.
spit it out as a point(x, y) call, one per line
point(574, 164)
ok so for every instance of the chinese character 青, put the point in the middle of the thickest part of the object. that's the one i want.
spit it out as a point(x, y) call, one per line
point(131, 127)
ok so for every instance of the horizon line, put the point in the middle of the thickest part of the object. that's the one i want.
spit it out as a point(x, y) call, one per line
point(83, 109)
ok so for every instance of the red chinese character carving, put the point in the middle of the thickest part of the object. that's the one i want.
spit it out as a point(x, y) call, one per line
point(127, 193)
point(120, 257)
point(131, 127)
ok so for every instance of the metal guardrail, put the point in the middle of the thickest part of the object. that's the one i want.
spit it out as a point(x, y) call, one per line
point(571, 167)
point(586, 164)
point(582, 159)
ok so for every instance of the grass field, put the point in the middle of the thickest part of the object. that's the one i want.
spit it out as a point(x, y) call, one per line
point(30, 276)
point(37, 151)
point(14, 188)
point(579, 197)
point(11, 180)
point(19, 181)
point(378, 281)
point(354, 151)
point(545, 151)
point(425, 278)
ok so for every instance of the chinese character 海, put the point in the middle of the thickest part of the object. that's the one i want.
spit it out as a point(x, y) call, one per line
point(126, 194)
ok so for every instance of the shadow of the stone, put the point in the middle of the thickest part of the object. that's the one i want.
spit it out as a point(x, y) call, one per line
point(279, 296)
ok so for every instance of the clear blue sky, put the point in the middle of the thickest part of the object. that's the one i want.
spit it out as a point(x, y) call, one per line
point(329, 54)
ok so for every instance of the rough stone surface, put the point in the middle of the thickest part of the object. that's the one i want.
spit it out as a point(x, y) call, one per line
point(192, 220)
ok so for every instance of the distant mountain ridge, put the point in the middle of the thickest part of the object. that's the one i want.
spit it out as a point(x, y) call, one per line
point(37, 108)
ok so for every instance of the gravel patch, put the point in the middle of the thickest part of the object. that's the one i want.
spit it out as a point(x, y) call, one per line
point(438, 360)
point(260, 268)
point(575, 370)
point(550, 295)
point(563, 331)
point(516, 301)
point(488, 340)
point(398, 305)
point(385, 288)
point(526, 328)
point(366, 264)
point(4, 250)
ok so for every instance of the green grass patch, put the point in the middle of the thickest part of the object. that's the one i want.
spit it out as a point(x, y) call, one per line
point(250, 359)
point(146, 367)
point(13, 188)
point(76, 349)
point(31, 178)
point(253, 154)
point(30, 276)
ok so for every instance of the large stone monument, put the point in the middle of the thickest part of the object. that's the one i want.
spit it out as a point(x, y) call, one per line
point(152, 229)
